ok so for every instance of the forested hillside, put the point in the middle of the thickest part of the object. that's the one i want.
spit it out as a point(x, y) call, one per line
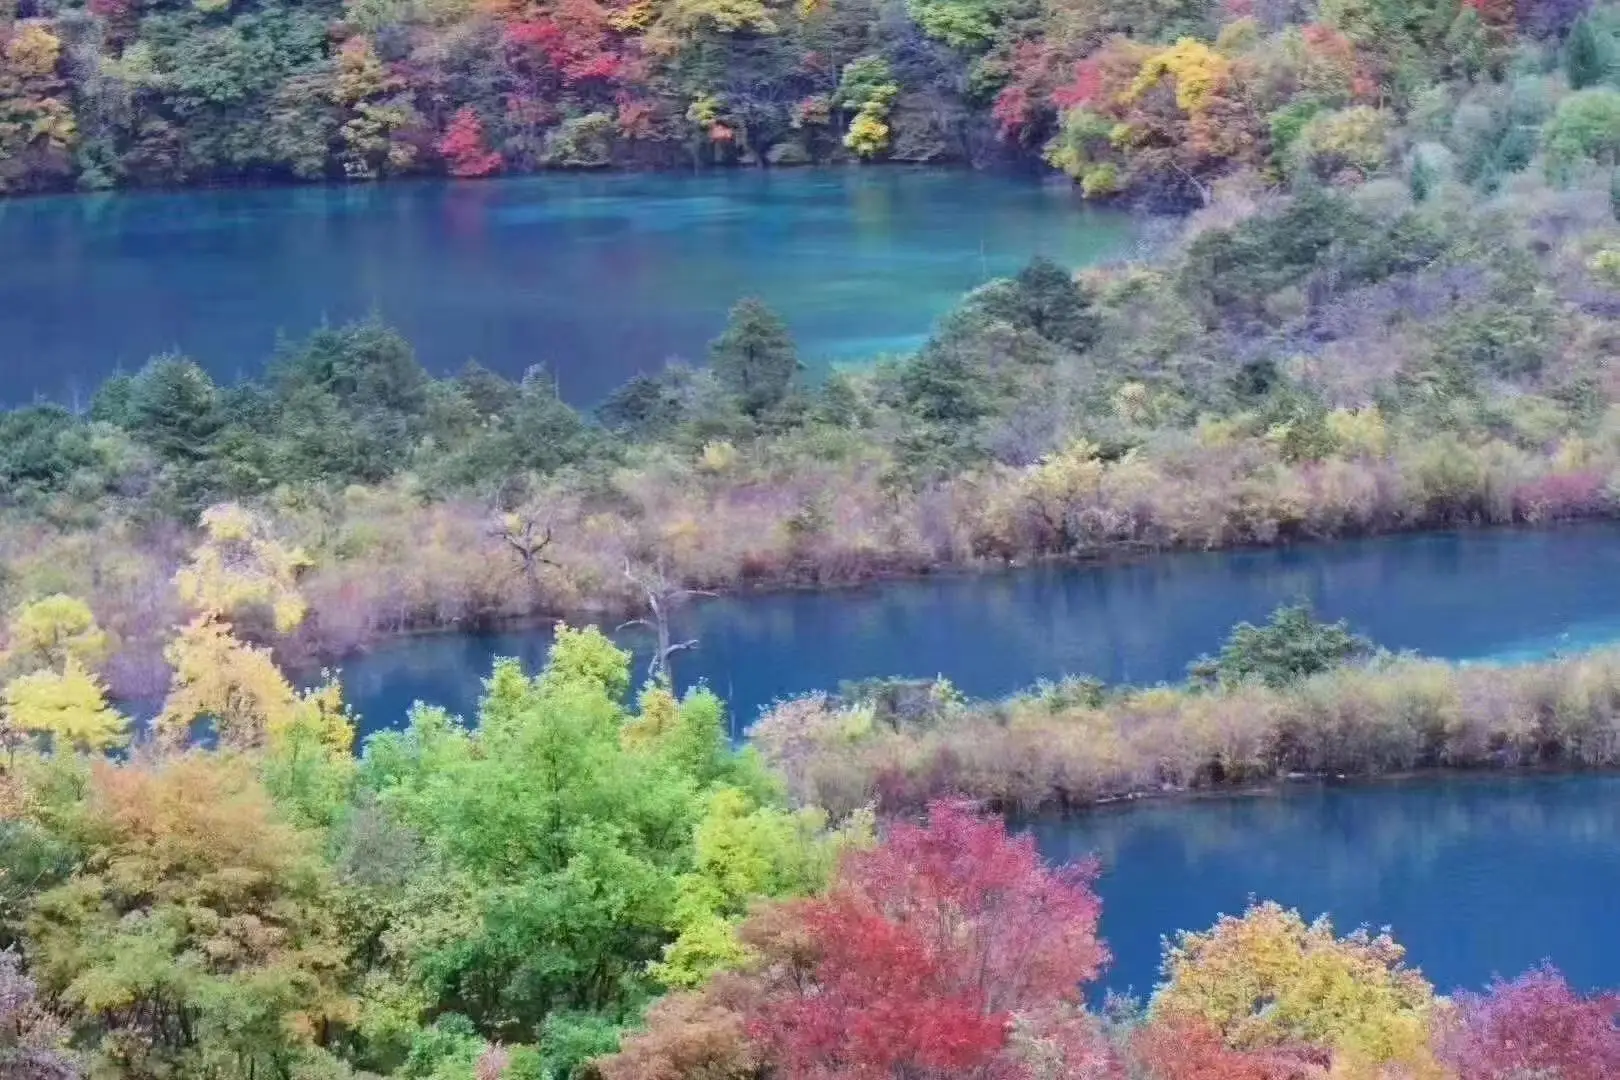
point(1148, 97)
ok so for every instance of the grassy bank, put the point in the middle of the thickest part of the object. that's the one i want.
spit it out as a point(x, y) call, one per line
point(1073, 745)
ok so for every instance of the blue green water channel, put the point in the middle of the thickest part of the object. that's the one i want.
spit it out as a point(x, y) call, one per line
point(596, 276)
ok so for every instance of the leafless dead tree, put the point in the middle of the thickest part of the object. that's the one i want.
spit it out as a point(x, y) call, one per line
point(663, 597)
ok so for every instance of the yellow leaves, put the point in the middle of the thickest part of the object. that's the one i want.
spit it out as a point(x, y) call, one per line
point(1100, 180)
point(239, 688)
point(1359, 432)
point(868, 134)
point(742, 851)
point(1062, 479)
point(1605, 266)
point(1354, 139)
point(659, 715)
point(240, 565)
point(719, 456)
point(217, 677)
point(1269, 979)
point(57, 645)
point(70, 707)
point(726, 16)
point(320, 717)
point(360, 74)
point(1198, 70)
point(704, 110)
point(53, 630)
point(635, 16)
point(33, 51)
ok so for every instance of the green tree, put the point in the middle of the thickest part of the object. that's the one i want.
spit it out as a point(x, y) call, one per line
point(41, 447)
point(1586, 54)
point(572, 822)
point(1054, 305)
point(174, 407)
point(1586, 127)
point(755, 358)
point(1293, 645)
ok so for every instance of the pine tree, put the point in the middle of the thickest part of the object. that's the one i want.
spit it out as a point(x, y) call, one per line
point(1586, 59)
point(755, 358)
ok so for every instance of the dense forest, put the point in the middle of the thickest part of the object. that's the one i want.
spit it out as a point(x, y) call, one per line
point(1393, 304)
point(580, 886)
point(1154, 98)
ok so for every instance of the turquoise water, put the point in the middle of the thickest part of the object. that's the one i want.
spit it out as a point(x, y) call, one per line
point(596, 276)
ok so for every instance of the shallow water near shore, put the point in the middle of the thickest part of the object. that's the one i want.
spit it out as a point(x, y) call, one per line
point(596, 276)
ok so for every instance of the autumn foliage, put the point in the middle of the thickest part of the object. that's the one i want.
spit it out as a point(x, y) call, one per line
point(1534, 1026)
point(463, 147)
point(950, 949)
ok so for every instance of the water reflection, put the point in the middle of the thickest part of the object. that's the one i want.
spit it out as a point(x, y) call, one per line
point(1477, 877)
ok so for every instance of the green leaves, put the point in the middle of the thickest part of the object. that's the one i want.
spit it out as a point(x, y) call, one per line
point(1293, 645)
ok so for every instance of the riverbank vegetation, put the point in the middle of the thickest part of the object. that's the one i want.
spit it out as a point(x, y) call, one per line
point(578, 886)
point(1293, 700)
point(1311, 366)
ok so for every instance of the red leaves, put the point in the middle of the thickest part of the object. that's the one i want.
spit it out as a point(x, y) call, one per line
point(1188, 1050)
point(1533, 1026)
point(1012, 110)
point(575, 40)
point(880, 1001)
point(1023, 933)
point(926, 946)
point(1086, 88)
point(463, 146)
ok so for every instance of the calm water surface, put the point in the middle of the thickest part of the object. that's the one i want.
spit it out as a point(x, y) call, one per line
point(1495, 595)
point(1477, 878)
point(596, 276)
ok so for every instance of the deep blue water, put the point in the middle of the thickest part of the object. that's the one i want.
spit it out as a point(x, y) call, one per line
point(597, 276)
point(1491, 595)
point(1476, 877)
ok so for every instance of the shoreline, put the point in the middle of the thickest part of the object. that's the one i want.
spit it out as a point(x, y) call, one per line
point(1032, 170)
point(1102, 559)
point(1301, 783)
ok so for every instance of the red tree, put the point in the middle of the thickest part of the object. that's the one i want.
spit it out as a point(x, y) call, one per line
point(463, 146)
point(916, 961)
point(1533, 1026)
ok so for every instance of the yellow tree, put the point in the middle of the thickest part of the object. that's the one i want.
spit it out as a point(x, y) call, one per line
point(1269, 979)
point(251, 703)
point(68, 706)
point(50, 631)
point(241, 566)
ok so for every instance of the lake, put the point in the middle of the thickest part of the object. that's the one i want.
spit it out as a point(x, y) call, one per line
point(1488, 595)
point(1477, 877)
point(596, 276)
